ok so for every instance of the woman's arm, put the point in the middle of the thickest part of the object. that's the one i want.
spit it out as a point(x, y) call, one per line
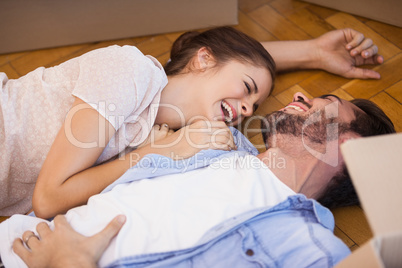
point(77, 146)
point(338, 52)
point(68, 177)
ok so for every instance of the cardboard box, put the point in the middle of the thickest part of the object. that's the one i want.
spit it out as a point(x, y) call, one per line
point(36, 24)
point(388, 11)
point(375, 165)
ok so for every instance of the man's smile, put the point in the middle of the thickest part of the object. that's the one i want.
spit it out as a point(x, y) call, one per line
point(297, 106)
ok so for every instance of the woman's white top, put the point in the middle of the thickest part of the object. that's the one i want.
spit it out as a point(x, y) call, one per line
point(122, 84)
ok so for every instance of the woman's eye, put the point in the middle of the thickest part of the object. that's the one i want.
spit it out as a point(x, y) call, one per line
point(255, 107)
point(248, 87)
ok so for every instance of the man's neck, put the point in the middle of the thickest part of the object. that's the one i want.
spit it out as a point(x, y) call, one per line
point(303, 174)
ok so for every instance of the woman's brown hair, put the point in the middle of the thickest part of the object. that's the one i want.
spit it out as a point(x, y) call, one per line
point(224, 44)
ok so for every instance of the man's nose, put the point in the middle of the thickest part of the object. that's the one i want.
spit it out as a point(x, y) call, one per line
point(300, 96)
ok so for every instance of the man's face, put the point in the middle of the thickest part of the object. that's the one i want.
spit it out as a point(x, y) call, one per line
point(312, 122)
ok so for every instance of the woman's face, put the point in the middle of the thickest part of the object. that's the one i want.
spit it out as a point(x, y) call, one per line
point(232, 92)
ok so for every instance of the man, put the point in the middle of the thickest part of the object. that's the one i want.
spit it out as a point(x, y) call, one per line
point(280, 228)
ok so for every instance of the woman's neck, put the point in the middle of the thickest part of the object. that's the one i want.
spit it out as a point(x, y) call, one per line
point(174, 103)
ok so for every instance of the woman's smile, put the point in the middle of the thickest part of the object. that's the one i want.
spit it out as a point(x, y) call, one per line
point(228, 111)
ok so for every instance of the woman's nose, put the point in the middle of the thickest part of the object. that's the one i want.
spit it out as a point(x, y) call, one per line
point(247, 109)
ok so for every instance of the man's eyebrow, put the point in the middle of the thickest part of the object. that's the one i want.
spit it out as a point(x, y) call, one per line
point(255, 85)
point(331, 95)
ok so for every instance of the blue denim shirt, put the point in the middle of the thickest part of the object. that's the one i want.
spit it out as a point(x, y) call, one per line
point(295, 233)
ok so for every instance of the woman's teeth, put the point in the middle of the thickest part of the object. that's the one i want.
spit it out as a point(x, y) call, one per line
point(229, 111)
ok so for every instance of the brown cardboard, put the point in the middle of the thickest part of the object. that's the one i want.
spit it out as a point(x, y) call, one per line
point(366, 256)
point(388, 11)
point(375, 165)
point(36, 24)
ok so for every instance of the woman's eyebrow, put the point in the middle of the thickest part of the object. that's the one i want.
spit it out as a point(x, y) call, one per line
point(255, 85)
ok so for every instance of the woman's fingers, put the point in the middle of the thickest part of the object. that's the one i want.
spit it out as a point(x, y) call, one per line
point(221, 138)
point(164, 127)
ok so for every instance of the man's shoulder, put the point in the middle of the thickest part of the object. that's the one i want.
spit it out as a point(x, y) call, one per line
point(304, 229)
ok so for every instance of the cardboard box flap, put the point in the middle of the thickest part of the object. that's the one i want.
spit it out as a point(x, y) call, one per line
point(388, 11)
point(390, 248)
point(375, 165)
point(28, 25)
point(366, 256)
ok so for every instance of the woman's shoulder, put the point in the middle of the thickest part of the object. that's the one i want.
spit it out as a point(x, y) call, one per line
point(114, 50)
point(121, 55)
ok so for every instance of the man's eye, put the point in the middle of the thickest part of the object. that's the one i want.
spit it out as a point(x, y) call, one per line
point(248, 87)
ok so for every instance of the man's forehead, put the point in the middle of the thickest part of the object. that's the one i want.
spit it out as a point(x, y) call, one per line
point(347, 109)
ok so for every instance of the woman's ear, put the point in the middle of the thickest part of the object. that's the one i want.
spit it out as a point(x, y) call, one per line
point(204, 59)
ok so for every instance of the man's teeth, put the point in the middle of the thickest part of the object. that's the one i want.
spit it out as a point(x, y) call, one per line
point(297, 108)
point(229, 110)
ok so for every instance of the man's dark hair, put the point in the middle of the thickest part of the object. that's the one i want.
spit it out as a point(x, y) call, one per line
point(371, 122)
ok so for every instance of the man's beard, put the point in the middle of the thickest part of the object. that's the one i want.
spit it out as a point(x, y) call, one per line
point(311, 127)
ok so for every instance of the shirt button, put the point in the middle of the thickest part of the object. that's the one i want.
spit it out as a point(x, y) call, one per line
point(249, 252)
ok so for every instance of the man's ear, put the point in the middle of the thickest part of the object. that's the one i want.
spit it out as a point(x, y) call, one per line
point(204, 59)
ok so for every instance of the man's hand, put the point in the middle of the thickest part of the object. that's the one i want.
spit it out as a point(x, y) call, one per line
point(64, 247)
point(342, 51)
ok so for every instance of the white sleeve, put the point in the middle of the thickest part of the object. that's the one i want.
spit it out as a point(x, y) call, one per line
point(115, 80)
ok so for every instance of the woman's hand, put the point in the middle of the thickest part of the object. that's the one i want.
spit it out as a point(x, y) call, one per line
point(195, 137)
point(64, 247)
point(157, 133)
point(342, 51)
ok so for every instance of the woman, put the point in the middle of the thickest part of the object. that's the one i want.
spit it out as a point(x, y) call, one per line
point(64, 126)
point(109, 82)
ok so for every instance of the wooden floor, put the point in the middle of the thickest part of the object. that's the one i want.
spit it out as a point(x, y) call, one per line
point(277, 20)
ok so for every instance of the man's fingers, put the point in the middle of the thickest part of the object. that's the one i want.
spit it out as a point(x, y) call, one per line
point(102, 239)
point(30, 239)
point(43, 229)
point(361, 73)
point(364, 48)
point(376, 59)
point(20, 249)
point(369, 52)
point(60, 222)
point(367, 73)
point(356, 37)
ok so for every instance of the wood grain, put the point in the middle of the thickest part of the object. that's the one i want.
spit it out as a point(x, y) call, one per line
point(268, 20)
